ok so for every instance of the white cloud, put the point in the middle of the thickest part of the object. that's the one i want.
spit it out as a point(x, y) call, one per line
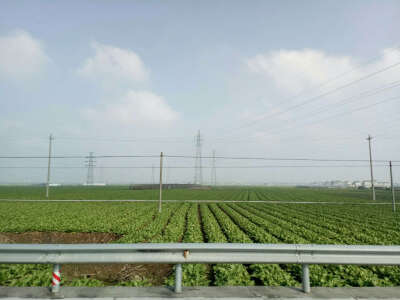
point(294, 70)
point(330, 111)
point(120, 70)
point(21, 56)
point(314, 73)
point(114, 65)
point(135, 107)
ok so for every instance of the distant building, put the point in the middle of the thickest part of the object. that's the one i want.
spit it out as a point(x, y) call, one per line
point(383, 184)
point(377, 184)
point(340, 184)
point(356, 184)
point(344, 184)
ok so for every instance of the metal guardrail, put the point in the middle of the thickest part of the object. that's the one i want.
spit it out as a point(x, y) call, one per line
point(181, 253)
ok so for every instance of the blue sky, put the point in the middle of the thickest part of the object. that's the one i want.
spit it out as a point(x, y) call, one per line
point(161, 70)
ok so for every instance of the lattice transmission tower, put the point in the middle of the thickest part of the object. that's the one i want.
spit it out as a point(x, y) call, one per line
point(213, 170)
point(90, 163)
point(198, 170)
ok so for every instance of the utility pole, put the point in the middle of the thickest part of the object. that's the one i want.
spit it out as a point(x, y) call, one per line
point(392, 187)
point(370, 164)
point(213, 170)
point(90, 165)
point(161, 170)
point(49, 167)
point(198, 172)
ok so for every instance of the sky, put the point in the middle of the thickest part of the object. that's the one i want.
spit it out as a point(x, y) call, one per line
point(274, 79)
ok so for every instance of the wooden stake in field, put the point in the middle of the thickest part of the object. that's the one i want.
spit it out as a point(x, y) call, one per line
point(161, 171)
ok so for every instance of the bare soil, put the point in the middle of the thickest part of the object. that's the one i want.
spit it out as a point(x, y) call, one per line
point(109, 273)
point(37, 237)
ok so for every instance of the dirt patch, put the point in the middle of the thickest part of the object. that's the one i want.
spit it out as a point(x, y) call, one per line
point(37, 237)
point(109, 273)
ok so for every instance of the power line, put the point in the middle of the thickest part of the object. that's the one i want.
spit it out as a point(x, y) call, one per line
point(387, 124)
point(334, 116)
point(343, 101)
point(106, 139)
point(355, 110)
point(208, 167)
point(346, 101)
point(313, 99)
point(280, 159)
point(362, 95)
point(132, 141)
point(338, 76)
point(207, 157)
point(80, 156)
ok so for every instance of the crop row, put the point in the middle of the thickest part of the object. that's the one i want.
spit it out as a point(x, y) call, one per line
point(343, 275)
point(221, 223)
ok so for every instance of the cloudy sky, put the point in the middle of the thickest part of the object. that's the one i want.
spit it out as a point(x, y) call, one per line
point(278, 79)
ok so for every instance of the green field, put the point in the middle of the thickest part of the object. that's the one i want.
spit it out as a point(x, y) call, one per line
point(115, 192)
point(352, 223)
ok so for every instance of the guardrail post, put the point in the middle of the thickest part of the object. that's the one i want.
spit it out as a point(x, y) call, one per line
point(178, 278)
point(306, 278)
point(56, 279)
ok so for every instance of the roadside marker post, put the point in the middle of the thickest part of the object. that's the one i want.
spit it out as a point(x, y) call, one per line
point(306, 278)
point(56, 279)
point(178, 278)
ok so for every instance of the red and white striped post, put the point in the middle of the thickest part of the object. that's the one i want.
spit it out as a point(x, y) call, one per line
point(55, 282)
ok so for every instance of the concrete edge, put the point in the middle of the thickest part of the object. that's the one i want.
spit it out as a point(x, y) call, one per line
point(200, 293)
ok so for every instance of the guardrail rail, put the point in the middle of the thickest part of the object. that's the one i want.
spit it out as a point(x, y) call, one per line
point(185, 253)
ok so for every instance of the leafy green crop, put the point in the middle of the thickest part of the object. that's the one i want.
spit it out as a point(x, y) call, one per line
point(225, 222)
